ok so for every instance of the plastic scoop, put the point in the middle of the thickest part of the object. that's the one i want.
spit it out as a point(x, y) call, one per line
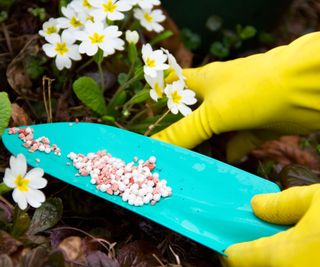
point(210, 200)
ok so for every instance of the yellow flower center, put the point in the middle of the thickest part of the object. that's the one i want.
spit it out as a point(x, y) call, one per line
point(176, 98)
point(148, 17)
point(158, 89)
point(150, 62)
point(75, 22)
point(96, 38)
point(22, 183)
point(109, 7)
point(90, 18)
point(85, 3)
point(51, 29)
point(61, 48)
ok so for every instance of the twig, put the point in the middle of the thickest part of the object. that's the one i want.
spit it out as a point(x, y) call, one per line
point(175, 255)
point(152, 126)
point(46, 84)
point(158, 260)
point(7, 37)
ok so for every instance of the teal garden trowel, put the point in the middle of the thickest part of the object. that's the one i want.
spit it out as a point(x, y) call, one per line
point(210, 200)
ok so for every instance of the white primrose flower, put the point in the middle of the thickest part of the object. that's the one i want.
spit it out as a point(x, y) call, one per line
point(95, 36)
point(81, 5)
point(62, 48)
point(147, 4)
point(174, 66)
point(132, 36)
point(110, 9)
point(179, 98)
point(157, 85)
point(150, 19)
point(73, 20)
point(25, 185)
point(153, 60)
point(49, 27)
point(86, 9)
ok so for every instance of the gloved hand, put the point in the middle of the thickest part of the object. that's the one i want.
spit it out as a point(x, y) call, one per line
point(297, 247)
point(273, 93)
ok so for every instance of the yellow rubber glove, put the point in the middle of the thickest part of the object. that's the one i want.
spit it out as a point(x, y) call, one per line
point(297, 247)
point(275, 93)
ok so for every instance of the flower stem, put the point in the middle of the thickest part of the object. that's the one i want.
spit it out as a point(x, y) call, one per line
point(85, 65)
point(101, 76)
point(124, 86)
point(152, 126)
point(4, 189)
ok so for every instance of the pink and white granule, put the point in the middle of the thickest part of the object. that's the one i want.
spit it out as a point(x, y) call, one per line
point(41, 144)
point(134, 182)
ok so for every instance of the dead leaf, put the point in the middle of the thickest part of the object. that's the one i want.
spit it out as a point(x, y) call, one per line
point(19, 116)
point(8, 244)
point(100, 259)
point(73, 248)
point(16, 74)
point(287, 150)
point(5, 261)
point(138, 254)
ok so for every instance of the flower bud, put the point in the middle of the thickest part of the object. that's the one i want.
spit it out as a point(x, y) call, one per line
point(132, 36)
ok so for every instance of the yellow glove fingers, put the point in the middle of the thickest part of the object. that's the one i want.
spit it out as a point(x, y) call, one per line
point(197, 79)
point(286, 207)
point(194, 126)
point(255, 253)
point(245, 141)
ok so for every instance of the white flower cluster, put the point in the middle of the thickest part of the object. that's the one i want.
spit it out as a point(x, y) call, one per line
point(89, 25)
point(156, 62)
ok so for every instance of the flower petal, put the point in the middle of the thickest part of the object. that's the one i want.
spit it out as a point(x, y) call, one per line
point(88, 48)
point(184, 109)
point(35, 197)
point(74, 52)
point(49, 50)
point(18, 165)
point(9, 178)
point(20, 198)
point(35, 173)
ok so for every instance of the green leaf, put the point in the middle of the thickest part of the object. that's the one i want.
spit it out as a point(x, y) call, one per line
point(5, 111)
point(266, 38)
point(119, 99)
point(33, 67)
point(247, 32)
point(4, 189)
point(190, 39)
point(89, 92)
point(98, 57)
point(46, 216)
point(141, 96)
point(122, 78)
point(108, 119)
point(132, 53)
point(3, 16)
point(296, 175)
point(219, 50)
point(6, 4)
point(161, 37)
point(21, 223)
point(231, 40)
